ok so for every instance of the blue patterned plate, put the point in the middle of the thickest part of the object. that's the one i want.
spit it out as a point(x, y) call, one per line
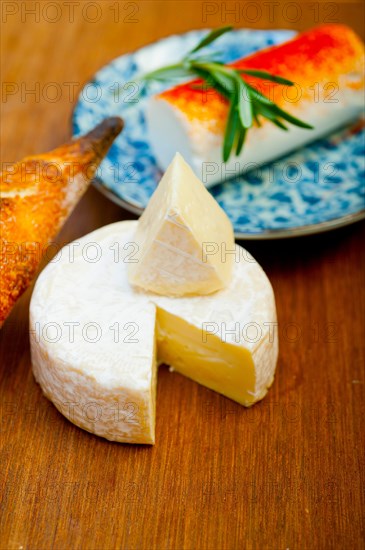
point(316, 188)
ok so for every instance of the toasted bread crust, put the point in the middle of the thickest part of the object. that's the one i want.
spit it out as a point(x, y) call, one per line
point(37, 195)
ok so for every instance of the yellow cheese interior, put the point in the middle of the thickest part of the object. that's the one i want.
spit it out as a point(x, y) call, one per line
point(220, 366)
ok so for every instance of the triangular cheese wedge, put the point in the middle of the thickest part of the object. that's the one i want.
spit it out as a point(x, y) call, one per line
point(184, 239)
point(96, 341)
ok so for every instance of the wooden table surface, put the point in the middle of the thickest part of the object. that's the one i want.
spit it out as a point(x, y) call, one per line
point(286, 473)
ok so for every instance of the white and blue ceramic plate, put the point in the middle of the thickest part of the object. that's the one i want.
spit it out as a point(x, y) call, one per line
point(314, 189)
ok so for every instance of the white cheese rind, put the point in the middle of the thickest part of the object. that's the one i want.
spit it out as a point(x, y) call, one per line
point(110, 380)
point(180, 238)
point(202, 148)
point(108, 387)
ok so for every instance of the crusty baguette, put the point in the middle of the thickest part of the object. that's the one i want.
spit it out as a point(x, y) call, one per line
point(37, 195)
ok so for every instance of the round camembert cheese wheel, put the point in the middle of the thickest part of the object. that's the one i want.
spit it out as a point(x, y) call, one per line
point(96, 341)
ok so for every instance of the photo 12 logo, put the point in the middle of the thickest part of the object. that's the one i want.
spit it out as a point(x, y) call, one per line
point(69, 11)
point(271, 12)
point(91, 332)
point(287, 171)
point(69, 91)
point(239, 254)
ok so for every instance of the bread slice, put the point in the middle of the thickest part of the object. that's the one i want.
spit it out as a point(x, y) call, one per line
point(37, 195)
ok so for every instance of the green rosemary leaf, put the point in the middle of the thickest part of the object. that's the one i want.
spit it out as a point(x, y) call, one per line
point(266, 112)
point(204, 75)
point(231, 128)
point(290, 118)
point(279, 124)
point(276, 110)
point(210, 37)
point(211, 82)
point(244, 104)
point(224, 81)
point(266, 76)
point(240, 140)
point(256, 95)
point(204, 58)
point(172, 71)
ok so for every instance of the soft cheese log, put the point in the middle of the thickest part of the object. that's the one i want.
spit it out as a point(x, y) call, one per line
point(37, 196)
point(174, 256)
point(327, 65)
point(95, 340)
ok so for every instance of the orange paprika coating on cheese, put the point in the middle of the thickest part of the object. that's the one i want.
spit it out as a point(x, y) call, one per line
point(317, 57)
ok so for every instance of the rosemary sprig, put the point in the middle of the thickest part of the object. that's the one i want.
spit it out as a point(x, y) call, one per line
point(246, 104)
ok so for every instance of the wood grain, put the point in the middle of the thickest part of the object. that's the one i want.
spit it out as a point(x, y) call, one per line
point(287, 473)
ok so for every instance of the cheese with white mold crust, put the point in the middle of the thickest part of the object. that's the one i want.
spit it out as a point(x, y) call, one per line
point(326, 64)
point(184, 238)
point(96, 340)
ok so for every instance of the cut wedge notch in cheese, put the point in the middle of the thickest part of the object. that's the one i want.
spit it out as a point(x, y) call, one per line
point(185, 240)
point(96, 341)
